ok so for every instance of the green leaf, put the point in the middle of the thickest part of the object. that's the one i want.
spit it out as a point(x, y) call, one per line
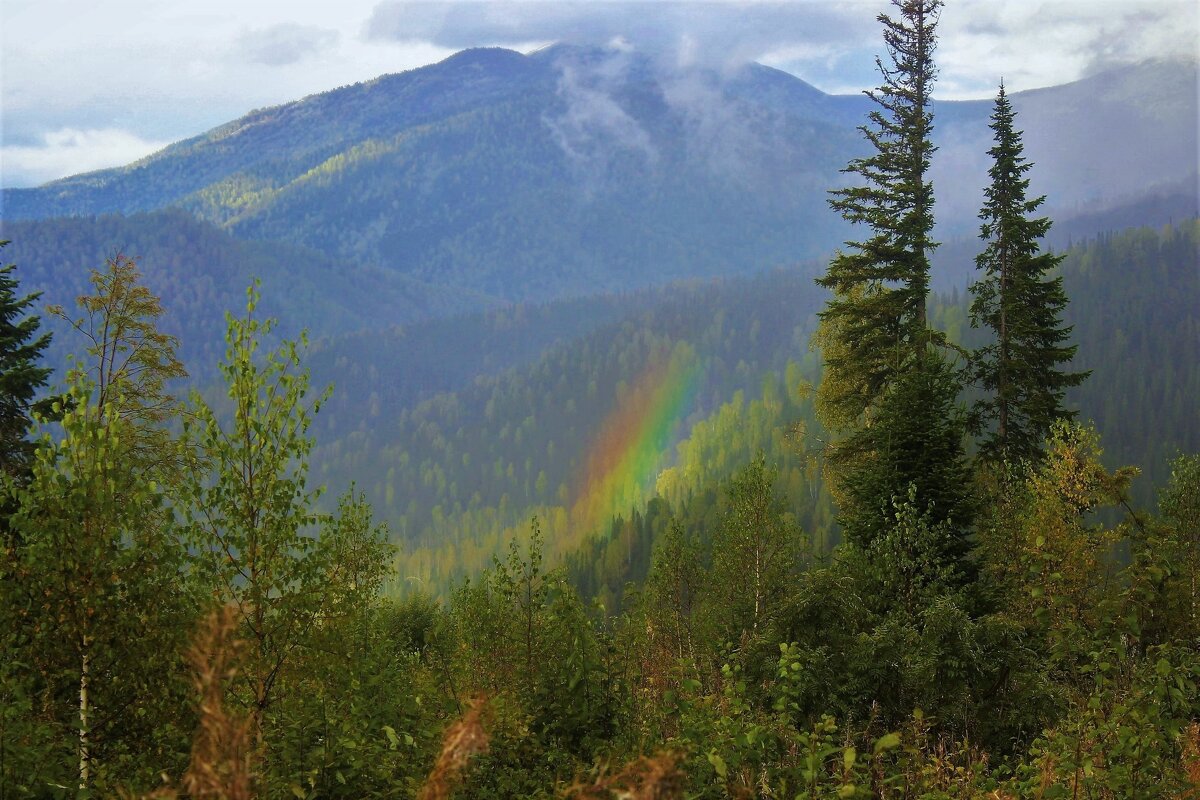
point(887, 742)
point(718, 763)
point(393, 739)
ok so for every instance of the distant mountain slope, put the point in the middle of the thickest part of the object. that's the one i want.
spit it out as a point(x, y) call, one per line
point(453, 472)
point(1104, 141)
point(283, 141)
point(577, 170)
point(200, 272)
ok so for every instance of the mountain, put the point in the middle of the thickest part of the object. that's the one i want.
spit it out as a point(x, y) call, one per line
point(200, 271)
point(575, 170)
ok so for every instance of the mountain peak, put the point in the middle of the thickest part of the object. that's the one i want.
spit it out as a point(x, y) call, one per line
point(490, 58)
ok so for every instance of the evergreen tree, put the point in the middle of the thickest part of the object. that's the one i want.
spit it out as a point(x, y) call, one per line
point(911, 452)
point(885, 385)
point(20, 376)
point(875, 327)
point(1022, 369)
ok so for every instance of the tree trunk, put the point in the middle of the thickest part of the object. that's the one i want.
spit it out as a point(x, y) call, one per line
point(85, 761)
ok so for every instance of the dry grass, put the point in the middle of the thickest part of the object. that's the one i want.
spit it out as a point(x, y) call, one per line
point(222, 765)
point(1191, 761)
point(648, 778)
point(222, 762)
point(462, 741)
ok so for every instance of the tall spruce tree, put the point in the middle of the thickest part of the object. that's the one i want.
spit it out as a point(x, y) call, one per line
point(1022, 369)
point(20, 373)
point(874, 327)
point(887, 388)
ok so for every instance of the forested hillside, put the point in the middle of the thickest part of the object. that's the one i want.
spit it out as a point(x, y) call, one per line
point(200, 272)
point(453, 473)
point(747, 653)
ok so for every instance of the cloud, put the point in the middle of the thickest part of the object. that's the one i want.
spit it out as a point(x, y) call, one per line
point(592, 119)
point(1032, 42)
point(1045, 42)
point(280, 45)
point(712, 32)
point(69, 151)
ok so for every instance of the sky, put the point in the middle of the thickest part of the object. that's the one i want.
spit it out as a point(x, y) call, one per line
point(86, 85)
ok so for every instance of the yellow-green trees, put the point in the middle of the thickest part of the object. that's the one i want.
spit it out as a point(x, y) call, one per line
point(99, 588)
point(292, 573)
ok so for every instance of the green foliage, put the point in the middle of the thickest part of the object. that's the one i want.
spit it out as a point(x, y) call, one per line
point(1135, 310)
point(1022, 371)
point(358, 716)
point(874, 325)
point(92, 538)
point(771, 671)
point(20, 374)
point(885, 388)
point(95, 540)
point(246, 504)
point(528, 634)
point(1177, 545)
point(912, 450)
point(130, 362)
point(755, 555)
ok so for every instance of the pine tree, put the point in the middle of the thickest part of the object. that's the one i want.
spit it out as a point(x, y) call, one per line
point(20, 376)
point(886, 386)
point(1022, 369)
point(874, 327)
point(912, 452)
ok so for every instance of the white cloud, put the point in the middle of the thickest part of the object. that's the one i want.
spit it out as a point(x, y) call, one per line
point(69, 151)
point(1046, 42)
point(156, 70)
point(164, 71)
point(285, 44)
point(688, 31)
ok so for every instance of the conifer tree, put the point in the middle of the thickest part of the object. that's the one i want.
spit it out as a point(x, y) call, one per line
point(886, 386)
point(1022, 369)
point(874, 327)
point(20, 375)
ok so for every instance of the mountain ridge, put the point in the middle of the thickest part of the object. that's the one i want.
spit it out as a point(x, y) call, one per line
point(577, 170)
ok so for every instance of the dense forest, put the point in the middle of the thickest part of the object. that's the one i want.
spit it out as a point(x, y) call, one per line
point(734, 539)
point(456, 474)
point(195, 268)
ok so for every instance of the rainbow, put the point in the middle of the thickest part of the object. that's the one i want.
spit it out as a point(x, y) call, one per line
point(629, 451)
